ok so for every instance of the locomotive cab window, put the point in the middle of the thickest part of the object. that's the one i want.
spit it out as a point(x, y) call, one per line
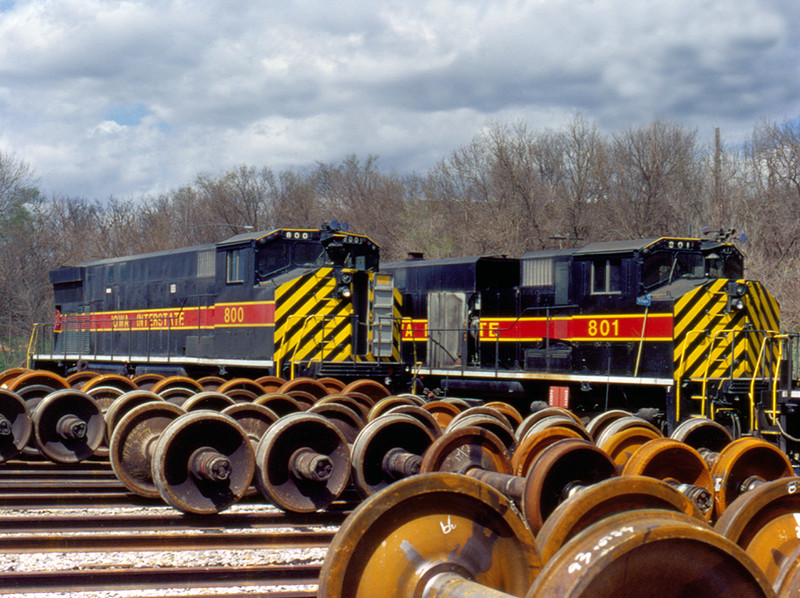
point(725, 266)
point(607, 276)
point(235, 267)
point(664, 267)
point(308, 254)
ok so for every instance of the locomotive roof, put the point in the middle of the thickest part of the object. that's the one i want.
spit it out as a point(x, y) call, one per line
point(234, 240)
point(446, 261)
point(281, 232)
point(617, 246)
point(126, 258)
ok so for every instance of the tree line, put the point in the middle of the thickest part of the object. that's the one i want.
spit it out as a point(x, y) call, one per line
point(509, 190)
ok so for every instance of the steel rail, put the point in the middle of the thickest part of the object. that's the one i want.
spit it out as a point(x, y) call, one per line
point(147, 542)
point(87, 580)
point(121, 522)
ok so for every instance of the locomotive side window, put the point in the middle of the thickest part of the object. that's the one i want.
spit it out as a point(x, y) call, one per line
point(607, 276)
point(272, 258)
point(235, 267)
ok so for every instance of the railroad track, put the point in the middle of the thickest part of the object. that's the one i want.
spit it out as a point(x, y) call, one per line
point(76, 529)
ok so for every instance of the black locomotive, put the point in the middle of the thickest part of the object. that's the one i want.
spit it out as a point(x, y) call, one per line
point(665, 327)
point(288, 302)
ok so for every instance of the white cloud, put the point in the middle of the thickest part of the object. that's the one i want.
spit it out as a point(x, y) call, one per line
point(107, 97)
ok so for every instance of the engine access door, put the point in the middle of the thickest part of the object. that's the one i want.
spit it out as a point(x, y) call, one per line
point(447, 322)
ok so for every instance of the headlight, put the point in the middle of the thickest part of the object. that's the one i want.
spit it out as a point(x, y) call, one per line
point(738, 304)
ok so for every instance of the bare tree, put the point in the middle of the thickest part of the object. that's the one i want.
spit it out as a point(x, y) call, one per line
point(653, 187)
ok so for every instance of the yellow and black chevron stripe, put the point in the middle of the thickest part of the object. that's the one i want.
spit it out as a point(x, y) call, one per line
point(311, 324)
point(714, 342)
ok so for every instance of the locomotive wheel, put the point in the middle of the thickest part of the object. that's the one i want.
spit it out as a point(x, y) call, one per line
point(764, 522)
point(383, 405)
point(513, 416)
point(604, 499)
point(787, 584)
point(105, 395)
point(366, 401)
point(662, 554)
point(16, 426)
point(622, 424)
point(183, 383)
point(270, 383)
point(203, 463)
point(442, 411)
point(349, 402)
point(211, 382)
point(558, 421)
point(212, 400)
point(561, 468)
point(332, 385)
point(147, 381)
point(416, 399)
point(35, 385)
point(465, 448)
point(672, 461)
point(537, 416)
point(6, 376)
point(381, 444)
point(303, 463)
point(488, 422)
point(254, 419)
point(741, 462)
point(125, 404)
point(306, 384)
point(113, 380)
point(374, 390)
point(68, 426)
point(78, 379)
point(177, 394)
point(425, 417)
point(133, 441)
point(279, 403)
point(242, 395)
point(305, 399)
point(462, 404)
point(347, 421)
point(482, 410)
point(534, 443)
point(626, 442)
point(430, 530)
point(238, 384)
point(602, 420)
point(702, 433)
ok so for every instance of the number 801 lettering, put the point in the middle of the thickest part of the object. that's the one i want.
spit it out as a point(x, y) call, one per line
point(603, 327)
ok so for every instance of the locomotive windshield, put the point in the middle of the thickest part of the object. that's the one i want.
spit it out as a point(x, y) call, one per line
point(274, 258)
point(724, 264)
point(664, 267)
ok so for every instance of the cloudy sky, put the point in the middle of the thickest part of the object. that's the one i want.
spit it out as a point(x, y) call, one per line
point(104, 98)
